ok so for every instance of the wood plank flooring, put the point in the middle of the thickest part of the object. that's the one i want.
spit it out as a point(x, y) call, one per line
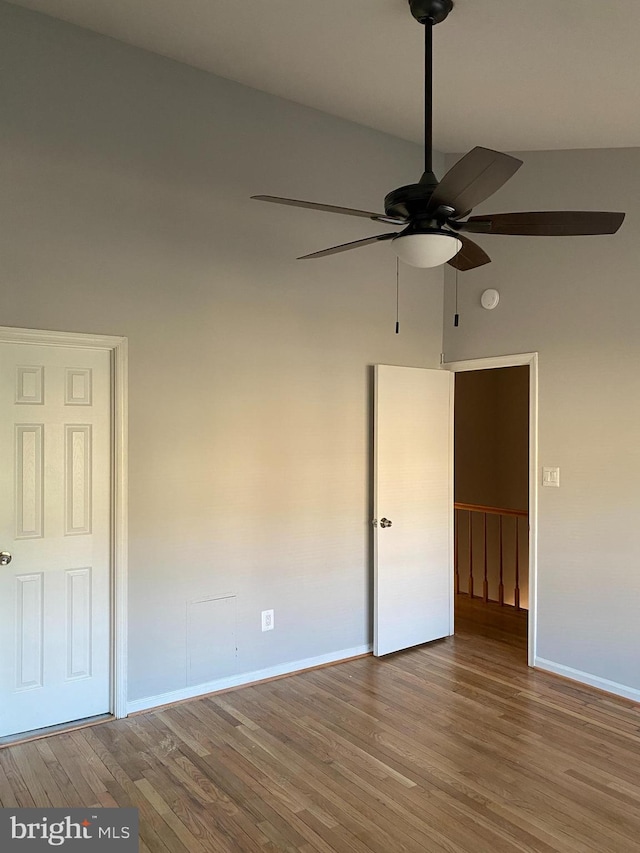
point(448, 748)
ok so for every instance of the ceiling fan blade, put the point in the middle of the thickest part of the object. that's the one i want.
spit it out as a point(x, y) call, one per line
point(330, 208)
point(344, 247)
point(551, 223)
point(469, 257)
point(473, 179)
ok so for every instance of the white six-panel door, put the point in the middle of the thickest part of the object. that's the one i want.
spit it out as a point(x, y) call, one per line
point(55, 453)
point(413, 507)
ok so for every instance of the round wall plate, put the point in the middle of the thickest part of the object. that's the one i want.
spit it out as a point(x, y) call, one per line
point(490, 299)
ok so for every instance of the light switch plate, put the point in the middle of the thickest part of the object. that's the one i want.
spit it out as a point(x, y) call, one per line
point(551, 477)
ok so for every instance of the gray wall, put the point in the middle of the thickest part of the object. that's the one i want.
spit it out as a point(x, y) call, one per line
point(124, 210)
point(577, 302)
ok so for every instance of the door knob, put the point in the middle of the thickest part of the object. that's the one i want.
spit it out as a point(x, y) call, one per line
point(384, 522)
point(5, 558)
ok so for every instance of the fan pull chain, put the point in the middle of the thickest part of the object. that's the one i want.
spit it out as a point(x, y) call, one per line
point(397, 296)
point(456, 317)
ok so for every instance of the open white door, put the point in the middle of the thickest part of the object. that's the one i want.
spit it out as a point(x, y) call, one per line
point(413, 489)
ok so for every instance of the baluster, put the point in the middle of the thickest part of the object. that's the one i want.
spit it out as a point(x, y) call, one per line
point(501, 584)
point(470, 554)
point(456, 526)
point(516, 592)
point(485, 583)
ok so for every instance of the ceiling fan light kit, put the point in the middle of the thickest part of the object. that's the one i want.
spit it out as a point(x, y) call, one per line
point(426, 249)
point(434, 214)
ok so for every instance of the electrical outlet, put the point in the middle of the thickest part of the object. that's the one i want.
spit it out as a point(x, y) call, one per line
point(267, 620)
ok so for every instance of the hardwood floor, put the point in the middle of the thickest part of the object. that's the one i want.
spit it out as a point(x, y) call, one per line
point(454, 746)
point(505, 624)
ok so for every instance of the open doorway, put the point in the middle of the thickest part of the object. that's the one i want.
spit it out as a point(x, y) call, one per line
point(491, 463)
point(413, 502)
point(494, 494)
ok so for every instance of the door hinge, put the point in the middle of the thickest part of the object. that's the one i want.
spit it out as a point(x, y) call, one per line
point(441, 358)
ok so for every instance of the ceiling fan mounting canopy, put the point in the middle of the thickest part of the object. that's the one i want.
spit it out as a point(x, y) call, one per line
point(434, 11)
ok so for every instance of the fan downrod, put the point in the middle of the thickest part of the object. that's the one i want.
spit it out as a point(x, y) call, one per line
point(433, 11)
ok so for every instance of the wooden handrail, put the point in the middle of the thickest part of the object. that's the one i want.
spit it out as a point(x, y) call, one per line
point(492, 510)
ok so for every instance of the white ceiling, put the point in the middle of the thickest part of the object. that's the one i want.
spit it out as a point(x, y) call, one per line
point(509, 74)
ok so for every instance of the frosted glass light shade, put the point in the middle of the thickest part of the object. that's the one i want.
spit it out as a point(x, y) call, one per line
point(426, 250)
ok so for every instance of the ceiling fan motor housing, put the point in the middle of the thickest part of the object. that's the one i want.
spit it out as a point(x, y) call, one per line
point(412, 201)
point(408, 202)
point(434, 11)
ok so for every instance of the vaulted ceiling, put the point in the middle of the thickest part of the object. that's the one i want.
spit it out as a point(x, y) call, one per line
point(509, 74)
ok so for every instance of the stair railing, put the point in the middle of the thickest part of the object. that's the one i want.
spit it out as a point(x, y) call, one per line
point(504, 515)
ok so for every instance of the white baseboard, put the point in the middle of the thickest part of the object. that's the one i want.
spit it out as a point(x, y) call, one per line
point(587, 678)
point(150, 702)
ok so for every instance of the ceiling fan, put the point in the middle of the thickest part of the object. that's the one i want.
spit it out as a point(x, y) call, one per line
point(433, 212)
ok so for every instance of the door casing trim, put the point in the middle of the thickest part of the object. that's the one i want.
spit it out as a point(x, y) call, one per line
point(118, 348)
point(517, 360)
